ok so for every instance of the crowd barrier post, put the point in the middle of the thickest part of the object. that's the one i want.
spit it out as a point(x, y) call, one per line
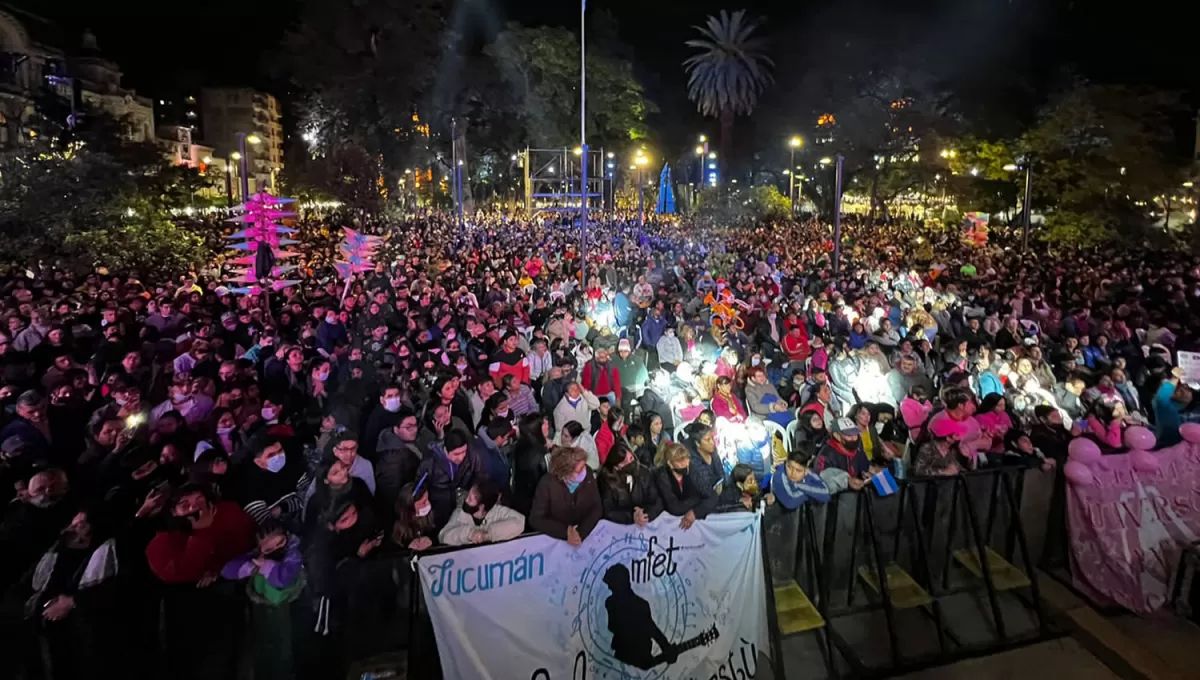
point(772, 612)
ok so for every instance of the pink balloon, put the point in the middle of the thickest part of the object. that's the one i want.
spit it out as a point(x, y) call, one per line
point(1084, 450)
point(1144, 461)
point(1078, 474)
point(1139, 438)
point(1190, 432)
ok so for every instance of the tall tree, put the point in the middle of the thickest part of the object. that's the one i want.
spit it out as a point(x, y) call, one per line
point(730, 71)
point(360, 69)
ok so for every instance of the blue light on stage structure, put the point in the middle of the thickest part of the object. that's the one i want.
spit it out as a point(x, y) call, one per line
point(666, 192)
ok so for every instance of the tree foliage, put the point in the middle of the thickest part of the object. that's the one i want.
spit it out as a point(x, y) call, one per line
point(84, 197)
point(729, 71)
point(360, 69)
point(536, 73)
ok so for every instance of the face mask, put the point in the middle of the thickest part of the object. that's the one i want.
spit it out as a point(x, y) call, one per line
point(224, 431)
point(470, 509)
point(423, 511)
point(392, 404)
point(275, 463)
point(269, 414)
point(322, 377)
point(502, 414)
point(330, 319)
point(179, 398)
point(754, 361)
point(44, 501)
point(121, 401)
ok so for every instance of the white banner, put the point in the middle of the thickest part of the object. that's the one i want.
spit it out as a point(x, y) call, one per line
point(652, 603)
point(1189, 365)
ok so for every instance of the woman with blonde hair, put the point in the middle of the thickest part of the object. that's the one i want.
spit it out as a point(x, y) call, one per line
point(566, 504)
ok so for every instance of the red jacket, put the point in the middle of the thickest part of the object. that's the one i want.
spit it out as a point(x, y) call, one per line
point(503, 363)
point(796, 348)
point(186, 557)
point(606, 380)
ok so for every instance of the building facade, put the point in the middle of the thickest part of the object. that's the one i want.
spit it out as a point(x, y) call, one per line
point(231, 113)
point(31, 56)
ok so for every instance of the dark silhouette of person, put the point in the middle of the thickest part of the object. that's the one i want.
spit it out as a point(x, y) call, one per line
point(632, 626)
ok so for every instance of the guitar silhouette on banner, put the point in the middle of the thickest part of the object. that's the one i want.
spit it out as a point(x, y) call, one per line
point(633, 629)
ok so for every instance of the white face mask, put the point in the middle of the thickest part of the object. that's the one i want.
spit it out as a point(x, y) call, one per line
point(424, 510)
point(223, 431)
point(392, 404)
point(269, 413)
point(322, 377)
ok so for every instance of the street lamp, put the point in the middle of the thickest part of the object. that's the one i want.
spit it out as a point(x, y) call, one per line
point(240, 155)
point(825, 161)
point(794, 143)
point(1025, 208)
point(640, 161)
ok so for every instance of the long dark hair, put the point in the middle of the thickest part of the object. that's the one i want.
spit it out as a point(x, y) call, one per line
point(529, 433)
point(409, 525)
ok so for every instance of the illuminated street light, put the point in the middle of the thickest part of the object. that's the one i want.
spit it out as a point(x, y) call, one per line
point(254, 139)
point(703, 139)
point(786, 172)
point(611, 155)
point(825, 161)
point(713, 154)
point(699, 151)
point(796, 142)
point(236, 156)
point(578, 151)
point(1011, 167)
point(1188, 185)
point(513, 157)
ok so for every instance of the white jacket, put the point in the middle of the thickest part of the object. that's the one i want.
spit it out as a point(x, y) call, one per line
point(581, 413)
point(669, 350)
point(500, 524)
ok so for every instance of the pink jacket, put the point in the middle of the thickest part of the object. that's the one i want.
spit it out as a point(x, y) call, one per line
point(996, 425)
point(915, 414)
point(1110, 435)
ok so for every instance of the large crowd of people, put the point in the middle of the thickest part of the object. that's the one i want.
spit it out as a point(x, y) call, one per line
point(172, 453)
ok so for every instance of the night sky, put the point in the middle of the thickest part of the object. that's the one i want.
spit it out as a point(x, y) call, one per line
point(170, 46)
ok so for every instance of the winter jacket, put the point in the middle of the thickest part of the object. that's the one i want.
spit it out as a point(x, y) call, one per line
point(754, 398)
point(187, 556)
point(621, 495)
point(681, 496)
point(792, 495)
point(500, 524)
point(653, 329)
point(632, 370)
point(515, 364)
point(601, 378)
point(444, 480)
point(555, 508)
point(396, 464)
point(669, 350)
point(580, 412)
point(493, 463)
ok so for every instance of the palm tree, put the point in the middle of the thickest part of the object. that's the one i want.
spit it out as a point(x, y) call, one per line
point(730, 71)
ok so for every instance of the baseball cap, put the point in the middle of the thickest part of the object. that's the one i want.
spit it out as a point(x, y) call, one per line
point(845, 426)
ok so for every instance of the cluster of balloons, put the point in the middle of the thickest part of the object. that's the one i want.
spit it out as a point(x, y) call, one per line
point(1084, 455)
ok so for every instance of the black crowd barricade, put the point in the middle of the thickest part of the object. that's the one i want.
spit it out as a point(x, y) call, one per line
point(948, 549)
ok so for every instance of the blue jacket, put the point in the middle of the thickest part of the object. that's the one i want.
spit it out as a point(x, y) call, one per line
point(989, 383)
point(329, 334)
point(1166, 415)
point(791, 495)
point(621, 308)
point(653, 330)
point(493, 463)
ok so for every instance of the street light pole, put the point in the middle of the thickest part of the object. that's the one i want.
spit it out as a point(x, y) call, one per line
point(1026, 206)
point(583, 157)
point(242, 166)
point(837, 215)
point(641, 208)
point(792, 182)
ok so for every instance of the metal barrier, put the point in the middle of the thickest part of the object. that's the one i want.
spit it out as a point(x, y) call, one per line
point(932, 563)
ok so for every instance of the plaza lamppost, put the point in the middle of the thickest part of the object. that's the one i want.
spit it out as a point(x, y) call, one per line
point(1025, 211)
point(793, 144)
point(701, 154)
point(229, 179)
point(640, 161)
point(243, 160)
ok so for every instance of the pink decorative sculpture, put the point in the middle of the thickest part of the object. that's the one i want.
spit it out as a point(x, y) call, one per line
point(263, 243)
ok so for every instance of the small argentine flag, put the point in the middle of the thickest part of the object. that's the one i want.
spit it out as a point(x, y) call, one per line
point(884, 483)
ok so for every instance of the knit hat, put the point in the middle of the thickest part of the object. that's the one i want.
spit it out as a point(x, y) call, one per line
point(846, 427)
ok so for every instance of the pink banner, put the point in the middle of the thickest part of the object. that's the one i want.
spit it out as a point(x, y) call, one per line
point(1129, 527)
